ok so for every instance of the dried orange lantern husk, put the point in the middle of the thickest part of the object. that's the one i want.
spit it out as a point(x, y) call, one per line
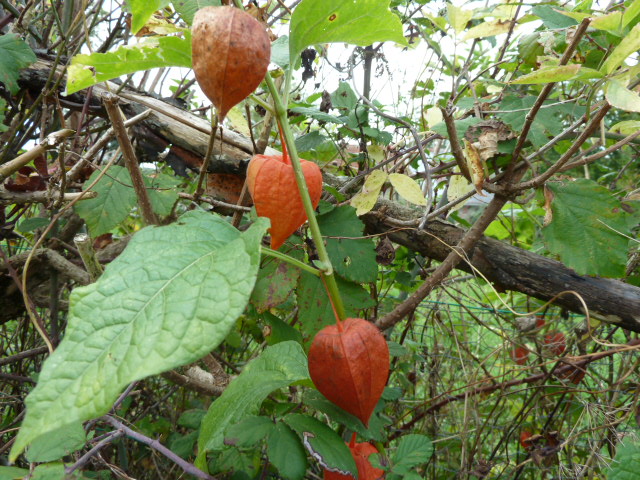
point(231, 52)
point(349, 364)
point(366, 471)
point(273, 188)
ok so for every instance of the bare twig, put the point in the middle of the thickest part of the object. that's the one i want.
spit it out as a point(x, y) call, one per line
point(116, 117)
point(88, 256)
point(458, 155)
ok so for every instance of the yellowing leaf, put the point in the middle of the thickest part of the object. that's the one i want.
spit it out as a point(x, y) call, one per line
point(407, 188)
point(458, 187)
point(475, 164)
point(611, 23)
point(488, 29)
point(376, 153)
point(621, 97)
point(433, 116)
point(627, 127)
point(238, 122)
point(364, 201)
point(630, 44)
point(458, 18)
point(549, 75)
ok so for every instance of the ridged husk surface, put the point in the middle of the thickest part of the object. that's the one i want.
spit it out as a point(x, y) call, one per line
point(231, 52)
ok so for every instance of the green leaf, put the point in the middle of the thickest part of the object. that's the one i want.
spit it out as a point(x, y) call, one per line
point(626, 127)
point(191, 418)
point(13, 473)
point(286, 453)
point(626, 463)
point(113, 204)
point(316, 114)
point(188, 8)
point(314, 307)
point(621, 97)
point(628, 45)
point(310, 141)
point(15, 55)
point(182, 445)
point(461, 126)
point(458, 18)
point(142, 10)
point(352, 256)
point(152, 52)
point(56, 445)
point(50, 471)
point(171, 297)
point(162, 191)
point(280, 51)
point(359, 22)
point(412, 451)
point(407, 188)
point(276, 281)
point(552, 18)
point(279, 366)
point(549, 74)
point(249, 431)
point(584, 216)
point(611, 23)
point(324, 444)
point(366, 199)
point(3, 108)
point(344, 97)
point(631, 12)
point(280, 331)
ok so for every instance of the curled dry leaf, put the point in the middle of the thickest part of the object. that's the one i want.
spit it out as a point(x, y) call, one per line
point(520, 355)
point(349, 364)
point(272, 185)
point(231, 52)
point(366, 471)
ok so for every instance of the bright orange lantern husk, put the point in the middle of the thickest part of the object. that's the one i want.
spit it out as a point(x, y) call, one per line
point(349, 364)
point(273, 188)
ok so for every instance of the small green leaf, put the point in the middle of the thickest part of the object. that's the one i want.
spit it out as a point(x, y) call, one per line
point(323, 444)
point(49, 471)
point(582, 230)
point(631, 12)
point(191, 418)
point(162, 191)
point(314, 307)
point(113, 204)
point(279, 366)
point(352, 256)
point(87, 70)
point(280, 331)
point(553, 17)
point(276, 281)
point(407, 188)
point(549, 75)
point(330, 21)
point(13, 473)
point(344, 97)
point(488, 29)
point(280, 51)
point(316, 114)
point(413, 450)
point(286, 453)
point(630, 44)
point(621, 97)
point(625, 465)
point(171, 297)
point(249, 431)
point(365, 200)
point(626, 127)
point(57, 444)
point(188, 8)
point(142, 10)
point(458, 18)
point(310, 141)
point(15, 55)
point(3, 109)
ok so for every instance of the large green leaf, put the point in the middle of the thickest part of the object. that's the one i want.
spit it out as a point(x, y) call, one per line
point(325, 445)
point(625, 465)
point(87, 70)
point(249, 431)
point(56, 445)
point(15, 54)
point(276, 281)
point(286, 453)
point(352, 256)
point(359, 22)
point(587, 227)
point(628, 45)
point(412, 451)
point(113, 204)
point(171, 297)
point(188, 8)
point(278, 366)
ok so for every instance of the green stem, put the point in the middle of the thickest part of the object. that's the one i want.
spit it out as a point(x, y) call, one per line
point(325, 263)
point(293, 261)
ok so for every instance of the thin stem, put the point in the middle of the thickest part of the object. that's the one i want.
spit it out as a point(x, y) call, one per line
point(290, 260)
point(325, 263)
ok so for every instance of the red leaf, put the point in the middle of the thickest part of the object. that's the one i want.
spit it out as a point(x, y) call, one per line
point(366, 471)
point(349, 364)
point(231, 52)
point(520, 355)
point(273, 187)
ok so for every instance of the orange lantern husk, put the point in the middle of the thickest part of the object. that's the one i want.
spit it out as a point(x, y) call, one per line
point(273, 188)
point(366, 471)
point(349, 364)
